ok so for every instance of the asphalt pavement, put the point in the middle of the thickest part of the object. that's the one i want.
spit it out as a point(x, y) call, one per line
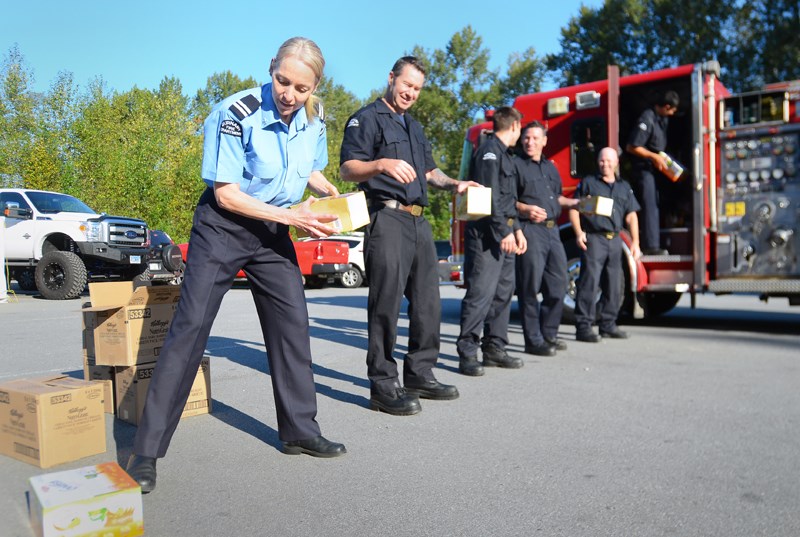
point(689, 428)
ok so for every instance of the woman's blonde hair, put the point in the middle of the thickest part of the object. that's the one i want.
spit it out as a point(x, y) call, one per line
point(309, 53)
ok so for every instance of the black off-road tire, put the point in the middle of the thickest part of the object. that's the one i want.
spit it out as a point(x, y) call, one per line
point(26, 279)
point(60, 276)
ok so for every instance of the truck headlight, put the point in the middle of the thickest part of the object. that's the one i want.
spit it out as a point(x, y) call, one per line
point(93, 231)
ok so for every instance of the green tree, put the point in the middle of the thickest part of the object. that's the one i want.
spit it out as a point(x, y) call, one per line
point(218, 87)
point(17, 116)
point(338, 105)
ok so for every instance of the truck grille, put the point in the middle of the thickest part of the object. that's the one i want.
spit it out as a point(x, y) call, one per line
point(127, 234)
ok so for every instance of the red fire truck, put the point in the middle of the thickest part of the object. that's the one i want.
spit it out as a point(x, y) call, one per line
point(730, 223)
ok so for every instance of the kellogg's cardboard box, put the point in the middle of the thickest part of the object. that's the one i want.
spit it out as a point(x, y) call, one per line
point(100, 500)
point(474, 204)
point(51, 420)
point(351, 208)
point(129, 325)
point(104, 375)
point(132, 382)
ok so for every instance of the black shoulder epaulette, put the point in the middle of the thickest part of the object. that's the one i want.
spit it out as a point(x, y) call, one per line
point(246, 106)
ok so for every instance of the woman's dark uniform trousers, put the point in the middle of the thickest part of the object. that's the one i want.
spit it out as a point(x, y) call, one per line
point(400, 259)
point(543, 267)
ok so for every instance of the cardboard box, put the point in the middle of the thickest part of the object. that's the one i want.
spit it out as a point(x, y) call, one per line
point(475, 203)
point(100, 500)
point(351, 208)
point(51, 420)
point(674, 169)
point(103, 374)
point(129, 324)
point(132, 383)
point(599, 205)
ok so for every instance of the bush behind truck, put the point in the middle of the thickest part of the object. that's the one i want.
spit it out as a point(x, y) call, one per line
point(55, 243)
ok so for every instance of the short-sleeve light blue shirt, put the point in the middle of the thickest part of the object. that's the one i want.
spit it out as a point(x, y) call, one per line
point(247, 143)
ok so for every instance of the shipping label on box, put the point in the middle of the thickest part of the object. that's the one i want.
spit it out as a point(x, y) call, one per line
point(130, 325)
point(596, 205)
point(51, 420)
point(100, 500)
point(132, 382)
point(474, 203)
point(103, 374)
point(351, 209)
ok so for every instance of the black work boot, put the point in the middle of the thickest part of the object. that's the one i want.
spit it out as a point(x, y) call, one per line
point(494, 356)
point(393, 399)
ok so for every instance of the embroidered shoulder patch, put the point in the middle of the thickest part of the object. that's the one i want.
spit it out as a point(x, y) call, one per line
point(352, 123)
point(231, 128)
point(489, 156)
point(643, 126)
point(246, 106)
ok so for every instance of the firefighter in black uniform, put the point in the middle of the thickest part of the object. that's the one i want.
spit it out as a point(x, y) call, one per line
point(385, 150)
point(543, 267)
point(242, 221)
point(490, 246)
point(647, 139)
point(601, 259)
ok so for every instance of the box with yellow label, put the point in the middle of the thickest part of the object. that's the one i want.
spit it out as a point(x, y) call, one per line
point(51, 420)
point(351, 210)
point(128, 325)
point(474, 203)
point(596, 205)
point(101, 500)
point(131, 385)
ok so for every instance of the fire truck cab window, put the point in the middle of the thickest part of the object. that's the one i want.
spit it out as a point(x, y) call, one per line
point(588, 136)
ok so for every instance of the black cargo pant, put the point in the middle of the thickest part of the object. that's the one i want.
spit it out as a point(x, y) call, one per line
point(221, 243)
point(542, 268)
point(400, 259)
point(601, 266)
point(489, 276)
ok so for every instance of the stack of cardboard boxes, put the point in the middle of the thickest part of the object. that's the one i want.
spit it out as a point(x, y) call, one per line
point(56, 419)
point(123, 331)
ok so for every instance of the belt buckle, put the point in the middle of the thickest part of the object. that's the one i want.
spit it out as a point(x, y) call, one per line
point(550, 224)
point(609, 235)
point(416, 210)
point(510, 222)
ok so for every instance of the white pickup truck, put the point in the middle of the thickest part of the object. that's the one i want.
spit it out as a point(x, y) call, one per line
point(55, 243)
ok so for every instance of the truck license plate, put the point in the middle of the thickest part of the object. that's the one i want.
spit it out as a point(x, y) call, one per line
point(136, 259)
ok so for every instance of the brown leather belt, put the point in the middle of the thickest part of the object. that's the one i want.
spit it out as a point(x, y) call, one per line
point(415, 210)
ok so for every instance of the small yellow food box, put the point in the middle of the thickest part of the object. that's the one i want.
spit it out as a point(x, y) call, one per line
point(351, 208)
point(474, 203)
point(674, 169)
point(100, 500)
point(599, 205)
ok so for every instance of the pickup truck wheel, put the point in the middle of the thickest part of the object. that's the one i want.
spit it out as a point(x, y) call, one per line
point(352, 278)
point(26, 278)
point(60, 275)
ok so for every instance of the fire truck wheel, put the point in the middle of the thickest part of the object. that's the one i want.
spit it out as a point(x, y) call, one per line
point(655, 304)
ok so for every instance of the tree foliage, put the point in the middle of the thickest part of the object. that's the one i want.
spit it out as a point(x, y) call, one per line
point(138, 152)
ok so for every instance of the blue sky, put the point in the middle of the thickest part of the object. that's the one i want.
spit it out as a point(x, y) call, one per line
point(139, 43)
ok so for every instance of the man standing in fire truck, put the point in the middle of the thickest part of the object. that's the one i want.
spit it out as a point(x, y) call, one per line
point(543, 267)
point(648, 138)
point(601, 259)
